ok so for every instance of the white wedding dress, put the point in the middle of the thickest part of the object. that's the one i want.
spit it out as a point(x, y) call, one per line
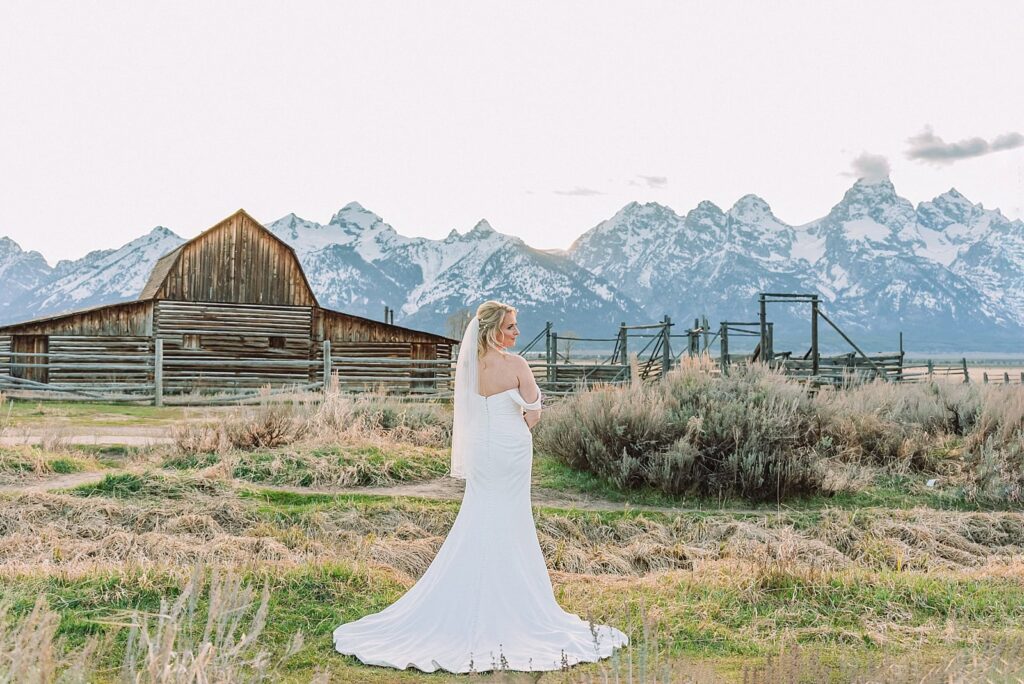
point(486, 601)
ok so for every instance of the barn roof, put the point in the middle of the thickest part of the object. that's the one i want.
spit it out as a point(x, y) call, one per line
point(159, 273)
point(166, 263)
point(8, 327)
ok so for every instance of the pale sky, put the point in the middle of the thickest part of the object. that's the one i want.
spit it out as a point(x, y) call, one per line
point(543, 117)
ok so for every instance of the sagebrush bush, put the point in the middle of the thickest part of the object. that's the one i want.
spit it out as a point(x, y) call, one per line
point(757, 434)
point(745, 434)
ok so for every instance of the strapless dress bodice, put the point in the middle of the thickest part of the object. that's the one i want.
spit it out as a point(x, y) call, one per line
point(509, 402)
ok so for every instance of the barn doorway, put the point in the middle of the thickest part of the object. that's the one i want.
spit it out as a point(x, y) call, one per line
point(29, 354)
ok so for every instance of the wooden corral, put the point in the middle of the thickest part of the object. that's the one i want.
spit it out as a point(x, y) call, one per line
point(229, 310)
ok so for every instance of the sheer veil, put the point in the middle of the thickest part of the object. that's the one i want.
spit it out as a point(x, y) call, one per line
point(466, 400)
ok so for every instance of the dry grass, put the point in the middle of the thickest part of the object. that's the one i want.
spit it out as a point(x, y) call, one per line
point(699, 574)
point(25, 462)
point(181, 643)
point(338, 466)
point(759, 435)
point(154, 520)
point(6, 409)
point(340, 441)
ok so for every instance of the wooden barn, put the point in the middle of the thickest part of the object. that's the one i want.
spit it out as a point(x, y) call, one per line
point(229, 310)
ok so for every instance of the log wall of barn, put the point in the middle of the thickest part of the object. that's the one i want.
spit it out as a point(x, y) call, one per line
point(133, 319)
point(237, 261)
point(232, 346)
point(123, 363)
point(353, 337)
point(5, 349)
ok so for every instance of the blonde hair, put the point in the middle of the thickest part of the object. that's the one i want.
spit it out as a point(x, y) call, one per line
point(490, 314)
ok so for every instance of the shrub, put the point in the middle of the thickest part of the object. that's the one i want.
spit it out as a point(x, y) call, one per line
point(270, 425)
point(747, 434)
point(754, 433)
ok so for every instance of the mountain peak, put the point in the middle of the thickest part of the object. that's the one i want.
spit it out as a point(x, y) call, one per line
point(876, 180)
point(7, 245)
point(876, 194)
point(355, 214)
point(482, 228)
point(162, 231)
point(750, 208)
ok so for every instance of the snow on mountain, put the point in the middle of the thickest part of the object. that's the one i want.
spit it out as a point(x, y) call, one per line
point(359, 263)
point(883, 272)
point(880, 265)
point(708, 262)
point(949, 273)
point(20, 272)
point(100, 277)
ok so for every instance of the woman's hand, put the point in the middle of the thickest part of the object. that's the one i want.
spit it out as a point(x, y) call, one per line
point(531, 418)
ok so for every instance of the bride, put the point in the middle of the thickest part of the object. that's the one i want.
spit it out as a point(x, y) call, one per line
point(486, 600)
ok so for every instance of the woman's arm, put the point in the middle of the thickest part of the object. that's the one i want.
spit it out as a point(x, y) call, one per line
point(529, 390)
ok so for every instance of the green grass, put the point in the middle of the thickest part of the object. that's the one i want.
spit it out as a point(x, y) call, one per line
point(28, 459)
point(888, 491)
point(30, 413)
point(313, 599)
point(699, 617)
point(178, 461)
point(342, 465)
point(148, 484)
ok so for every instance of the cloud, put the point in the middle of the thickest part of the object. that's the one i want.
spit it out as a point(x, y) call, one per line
point(579, 192)
point(931, 149)
point(870, 167)
point(650, 181)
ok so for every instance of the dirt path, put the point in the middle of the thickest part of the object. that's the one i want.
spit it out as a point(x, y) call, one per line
point(448, 489)
point(46, 484)
point(441, 489)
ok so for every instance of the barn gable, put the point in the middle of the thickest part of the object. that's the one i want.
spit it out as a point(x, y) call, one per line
point(236, 261)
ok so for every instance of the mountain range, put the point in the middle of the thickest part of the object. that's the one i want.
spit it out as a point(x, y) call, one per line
point(948, 273)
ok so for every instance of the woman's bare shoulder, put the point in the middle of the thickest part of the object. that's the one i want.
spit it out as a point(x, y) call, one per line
point(518, 362)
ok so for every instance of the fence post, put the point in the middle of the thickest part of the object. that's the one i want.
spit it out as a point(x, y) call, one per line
point(327, 364)
point(547, 349)
point(984, 377)
point(724, 337)
point(666, 352)
point(1006, 377)
point(967, 377)
point(931, 369)
point(554, 360)
point(623, 340)
point(814, 335)
point(762, 317)
point(158, 373)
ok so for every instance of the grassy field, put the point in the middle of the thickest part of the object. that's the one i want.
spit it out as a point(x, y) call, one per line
point(252, 535)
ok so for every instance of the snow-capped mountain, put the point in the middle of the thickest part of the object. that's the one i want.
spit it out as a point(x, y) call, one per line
point(359, 263)
point(948, 273)
point(944, 273)
point(20, 272)
point(881, 270)
point(710, 262)
point(101, 277)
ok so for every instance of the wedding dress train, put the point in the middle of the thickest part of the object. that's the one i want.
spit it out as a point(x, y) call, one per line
point(486, 601)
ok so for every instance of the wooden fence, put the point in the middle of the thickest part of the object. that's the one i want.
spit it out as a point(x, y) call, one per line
point(136, 369)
